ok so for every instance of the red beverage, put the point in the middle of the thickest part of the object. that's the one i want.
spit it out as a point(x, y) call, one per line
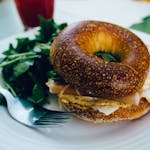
point(29, 10)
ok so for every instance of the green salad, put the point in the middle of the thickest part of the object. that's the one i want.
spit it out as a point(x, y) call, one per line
point(27, 67)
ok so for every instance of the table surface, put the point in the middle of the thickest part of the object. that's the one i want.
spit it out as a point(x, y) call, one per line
point(124, 13)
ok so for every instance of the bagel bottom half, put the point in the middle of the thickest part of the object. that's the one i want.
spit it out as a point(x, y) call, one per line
point(89, 112)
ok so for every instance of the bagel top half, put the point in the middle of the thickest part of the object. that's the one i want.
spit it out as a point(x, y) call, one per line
point(73, 57)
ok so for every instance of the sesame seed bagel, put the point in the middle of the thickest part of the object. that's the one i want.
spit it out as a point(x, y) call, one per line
point(84, 109)
point(73, 57)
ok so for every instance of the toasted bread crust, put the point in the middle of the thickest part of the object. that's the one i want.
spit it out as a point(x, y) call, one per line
point(72, 55)
point(95, 116)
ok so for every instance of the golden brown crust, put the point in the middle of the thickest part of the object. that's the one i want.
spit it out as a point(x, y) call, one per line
point(72, 54)
point(123, 113)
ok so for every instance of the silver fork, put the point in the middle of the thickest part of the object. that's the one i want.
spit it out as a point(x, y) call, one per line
point(32, 115)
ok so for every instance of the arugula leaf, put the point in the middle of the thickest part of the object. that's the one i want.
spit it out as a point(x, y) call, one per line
point(46, 30)
point(23, 45)
point(10, 50)
point(22, 67)
point(107, 57)
point(43, 48)
point(37, 94)
point(49, 30)
point(62, 26)
point(14, 58)
point(53, 75)
point(143, 26)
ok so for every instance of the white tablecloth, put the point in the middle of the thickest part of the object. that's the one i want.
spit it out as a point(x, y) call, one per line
point(122, 12)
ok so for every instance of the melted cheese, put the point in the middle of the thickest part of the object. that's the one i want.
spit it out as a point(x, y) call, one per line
point(107, 110)
point(133, 99)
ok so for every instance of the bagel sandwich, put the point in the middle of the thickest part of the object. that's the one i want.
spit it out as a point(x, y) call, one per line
point(95, 89)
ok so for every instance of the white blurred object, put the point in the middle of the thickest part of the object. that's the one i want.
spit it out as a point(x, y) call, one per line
point(121, 12)
point(124, 13)
point(9, 20)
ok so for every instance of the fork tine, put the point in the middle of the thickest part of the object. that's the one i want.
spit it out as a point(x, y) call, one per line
point(52, 120)
point(55, 117)
point(51, 111)
point(59, 115)
point(46, 126)
point(49, 116)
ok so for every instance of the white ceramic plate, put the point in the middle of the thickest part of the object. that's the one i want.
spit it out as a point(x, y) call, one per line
point(76, 134)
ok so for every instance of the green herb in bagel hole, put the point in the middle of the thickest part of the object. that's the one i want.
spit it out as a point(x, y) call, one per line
point(26, 67)
point(107, 57)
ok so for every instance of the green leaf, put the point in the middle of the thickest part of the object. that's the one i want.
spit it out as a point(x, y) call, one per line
point(24, 45)
point(22, 67)
point(11, 46)
point(21, 55)
point(43, 48)
point(62, 26)
point(37, 94)
point(22, 42)
point(48, 30)
point(143, 26)
point(107, 57)
point(53, 75)
point(12, 59)
point(11, 50)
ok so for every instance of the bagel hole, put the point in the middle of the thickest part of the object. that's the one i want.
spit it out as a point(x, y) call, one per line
point(108, 57)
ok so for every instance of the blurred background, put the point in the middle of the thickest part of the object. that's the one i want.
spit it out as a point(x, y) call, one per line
point(127, 13)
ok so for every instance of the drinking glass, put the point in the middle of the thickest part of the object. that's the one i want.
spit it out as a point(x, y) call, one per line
point(29, 10)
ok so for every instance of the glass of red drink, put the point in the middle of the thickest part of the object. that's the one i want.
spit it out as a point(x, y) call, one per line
point(29, 10)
